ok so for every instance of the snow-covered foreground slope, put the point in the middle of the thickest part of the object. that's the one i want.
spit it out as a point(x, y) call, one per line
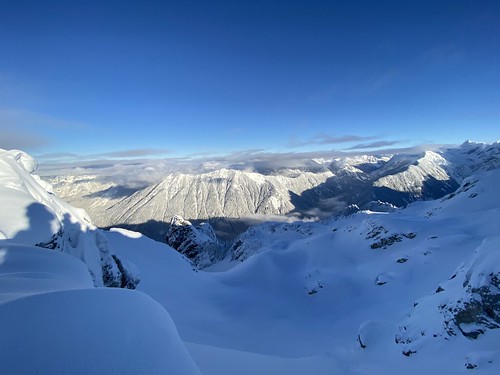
point(353, 295)
point(53, 320)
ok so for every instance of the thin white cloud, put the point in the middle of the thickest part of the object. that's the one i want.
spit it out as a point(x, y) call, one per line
point(132, 153)
point(28, 130)
point(21, 140)
point(371, 145)
point(326, 139)
point(100, 158)
point(11, 118)
point(58, 155)
point(441, 56)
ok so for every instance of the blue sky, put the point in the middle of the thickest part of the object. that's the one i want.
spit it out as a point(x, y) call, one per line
point(155, 78)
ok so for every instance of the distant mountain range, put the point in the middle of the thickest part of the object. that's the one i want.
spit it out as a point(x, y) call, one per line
point(232, 199)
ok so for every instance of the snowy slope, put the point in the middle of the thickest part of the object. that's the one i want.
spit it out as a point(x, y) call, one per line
point(410, 291)
point(335, 296)
point(54, 322)
point(52, 318)
point(32, 215)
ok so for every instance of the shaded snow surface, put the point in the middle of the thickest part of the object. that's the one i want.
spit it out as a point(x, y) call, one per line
point(53, 320)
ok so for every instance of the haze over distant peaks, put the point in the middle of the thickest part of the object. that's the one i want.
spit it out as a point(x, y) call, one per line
point(238, 195)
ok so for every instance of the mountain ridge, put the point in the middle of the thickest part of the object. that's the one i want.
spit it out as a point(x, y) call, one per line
point(238, 194)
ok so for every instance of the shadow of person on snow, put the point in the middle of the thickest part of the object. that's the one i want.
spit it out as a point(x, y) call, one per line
point(42, 225)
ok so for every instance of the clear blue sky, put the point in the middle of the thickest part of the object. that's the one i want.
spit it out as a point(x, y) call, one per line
point(141, 78)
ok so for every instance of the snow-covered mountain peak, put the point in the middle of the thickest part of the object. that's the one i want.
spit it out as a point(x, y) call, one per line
point(432, 156)
point(358, 164)
point(415, 174)
point(218, 194)
point(322, 161)
point(472, 157)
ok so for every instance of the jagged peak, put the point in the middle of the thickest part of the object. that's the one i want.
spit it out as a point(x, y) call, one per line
point(468, 144)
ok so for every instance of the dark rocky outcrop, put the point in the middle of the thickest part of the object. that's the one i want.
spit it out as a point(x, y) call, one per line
point(198, 243)
point(466, 305)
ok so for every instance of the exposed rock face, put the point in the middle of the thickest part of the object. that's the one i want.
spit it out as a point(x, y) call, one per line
point(385, 242)
point(115, 272)
point(468, 304)
point(198, 243)
point(478, 309)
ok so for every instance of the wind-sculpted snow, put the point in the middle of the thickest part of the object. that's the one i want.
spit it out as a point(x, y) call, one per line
point(32, 215)
point(54, 322)
point(53, 319)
